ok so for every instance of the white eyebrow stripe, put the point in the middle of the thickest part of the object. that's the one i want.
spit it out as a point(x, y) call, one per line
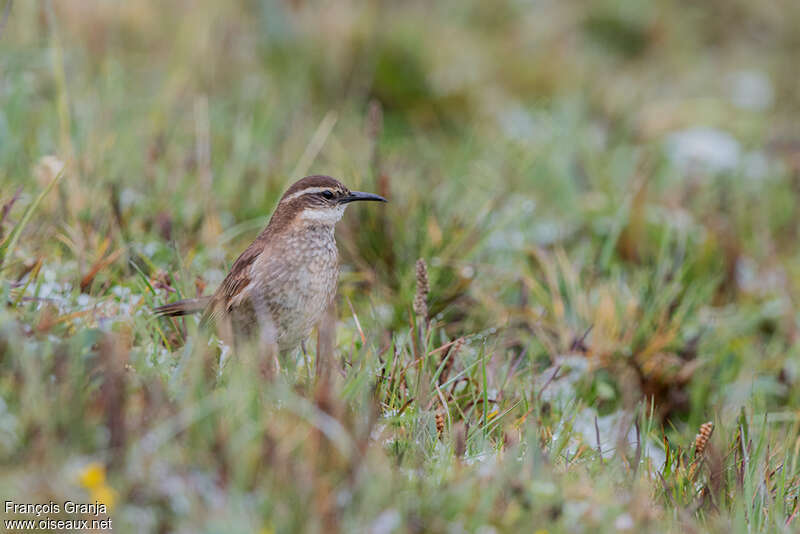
point(305, 191)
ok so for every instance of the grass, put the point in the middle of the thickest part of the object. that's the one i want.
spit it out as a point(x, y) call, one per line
point(588, 300)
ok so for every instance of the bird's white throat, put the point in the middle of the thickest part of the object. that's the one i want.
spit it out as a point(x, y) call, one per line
point(326, 215)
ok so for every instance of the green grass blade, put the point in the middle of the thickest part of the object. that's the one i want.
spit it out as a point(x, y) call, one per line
point(7, 247)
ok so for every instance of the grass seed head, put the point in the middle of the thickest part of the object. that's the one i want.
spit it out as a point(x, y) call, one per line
point(701, 439)
point(421, 296)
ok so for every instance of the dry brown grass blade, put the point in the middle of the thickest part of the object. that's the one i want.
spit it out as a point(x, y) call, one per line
point(33, 274)
point(101, 264)
point(113, 357)
point(448, 358)
point(7, 207)
point(358, 323)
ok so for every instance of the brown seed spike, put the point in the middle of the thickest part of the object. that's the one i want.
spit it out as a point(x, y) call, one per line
point(439, 423)
point(701, 439)
point(421, 297)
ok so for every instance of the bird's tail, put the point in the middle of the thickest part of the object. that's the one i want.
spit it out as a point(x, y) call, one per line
point(182, 307)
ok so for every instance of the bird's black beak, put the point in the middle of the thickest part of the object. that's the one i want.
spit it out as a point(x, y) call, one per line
point(358, 195)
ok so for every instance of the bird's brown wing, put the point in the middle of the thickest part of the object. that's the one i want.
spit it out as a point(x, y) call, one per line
point(237, 279)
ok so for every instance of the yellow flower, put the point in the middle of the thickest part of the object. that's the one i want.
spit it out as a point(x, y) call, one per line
point(93, 478)
point(267, 530)
point(93, 475)
point(104, 494)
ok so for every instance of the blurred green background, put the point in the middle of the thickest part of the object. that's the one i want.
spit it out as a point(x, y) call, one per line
point(606, 196)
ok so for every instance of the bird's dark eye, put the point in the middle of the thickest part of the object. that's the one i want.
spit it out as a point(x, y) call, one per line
point(327, 194)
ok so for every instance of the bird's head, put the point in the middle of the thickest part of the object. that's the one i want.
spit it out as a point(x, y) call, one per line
point(319, 199)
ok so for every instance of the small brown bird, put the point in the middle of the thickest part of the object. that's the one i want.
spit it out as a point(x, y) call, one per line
point(279, 288)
